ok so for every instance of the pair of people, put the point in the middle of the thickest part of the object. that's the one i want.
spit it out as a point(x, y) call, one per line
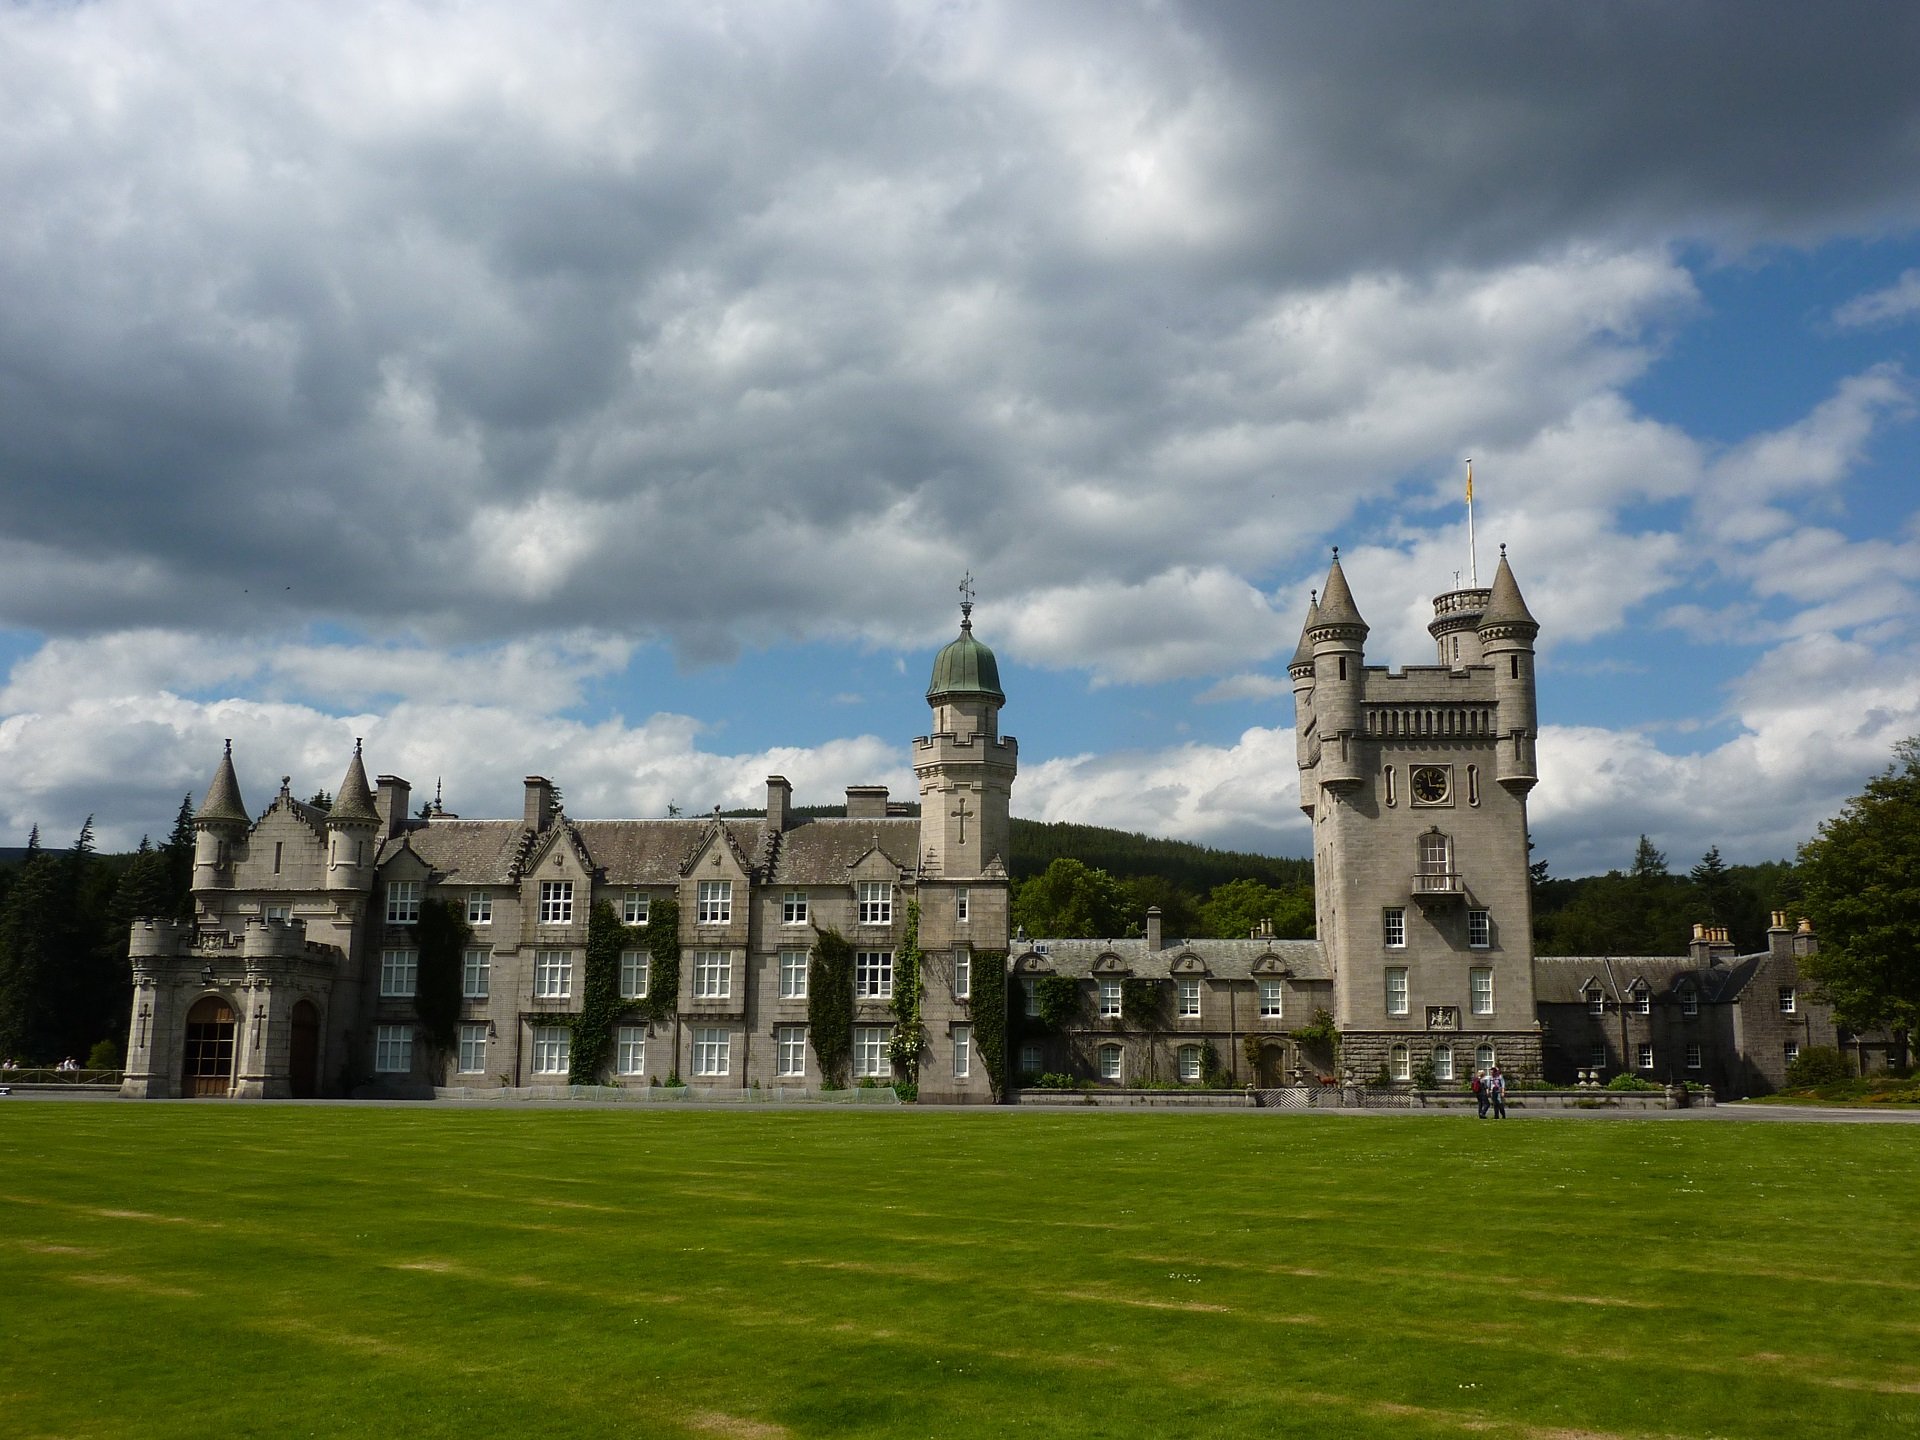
point(1490, 1090)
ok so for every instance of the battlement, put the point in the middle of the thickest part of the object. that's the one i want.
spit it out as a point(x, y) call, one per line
point(1427, 684)
point(1003, 743)
point(1461, 602)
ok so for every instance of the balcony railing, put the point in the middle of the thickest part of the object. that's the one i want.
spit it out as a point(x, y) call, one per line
point(1436, 882)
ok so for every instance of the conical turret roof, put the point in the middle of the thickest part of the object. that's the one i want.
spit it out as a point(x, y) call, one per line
point(354, 800)
point(1504, 605)
point(1303, 652)
point(223, 800)
point(1336, 600)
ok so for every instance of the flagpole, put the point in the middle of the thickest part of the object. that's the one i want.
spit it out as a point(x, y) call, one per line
point(1473, 552)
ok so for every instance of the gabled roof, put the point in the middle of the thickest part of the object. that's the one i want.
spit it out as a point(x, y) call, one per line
point(223, 800)
point(1563, 979)
point(1229, 959)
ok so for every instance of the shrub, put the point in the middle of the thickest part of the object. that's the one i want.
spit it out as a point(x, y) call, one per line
point(1818, 1065)
point(1627, 1081)
point(1424, 1076)
point(1318, 1032)
point(1058, 998)
point(1140, 1002)
point(104, 1056)
point(1055, 1081)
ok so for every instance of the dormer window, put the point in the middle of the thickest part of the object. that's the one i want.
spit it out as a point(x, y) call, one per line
point(1689, 1003)
point(716, 902)
point(1642, 1000)
point(1596, 1002)
point(403, 902)
point(556, 902)
point(876, 902)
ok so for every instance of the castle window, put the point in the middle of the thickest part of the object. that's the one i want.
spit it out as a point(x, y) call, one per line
point(1189, 998)
point(1400, 1063)
point(962, 903)
point(876, 902)
point(962, 975)
point(638, 905)
point(1597, 1055)
point(793, 974)
point(1689, 1003)
point(1513, 666)
point(1483, 1057)
point(1646, 1057)
point(1270, 999)
point(480, 907)
point(1793, 1052)
point(1110, 1062)
point(476, 974)
point(278, 846)
point(1029, 1060)
point(713, 974)
point(630, 1050)
point(1596, 1002)
point(1391, 798)
point(1396, 990)
point(473, 1050)
point(1030, 986)
point(1393, 924)
point(403, 902)
point(870, 1052)
point(962, 1051)
point(1190, 1063)
point(1443, 1062)
point(793, 908)
point(873, 974)
point(552, 1049)
point(1109, 999)
point(712, 1051)
point(397, 971)
point(1642, 1001)
point(716, 902)
point(552, 974)
point(635, 967)
point(1343, 667)
point(393, 1049)
point(1479, 929)
point(1693, 1057)
point(1480, 990)
point(556, 902)
point(790, 1051)
point(1473, 784)
point(1456, 649)
point(276, 912)
point(1788, 1000)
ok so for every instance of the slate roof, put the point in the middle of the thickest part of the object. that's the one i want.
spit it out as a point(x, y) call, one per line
point(1504, 605)
point(223, 795)
point(354, 801)
point(1561, 979)
point(1336, 600)
point(467, 852)
point(819, 852)
point(1234, 959)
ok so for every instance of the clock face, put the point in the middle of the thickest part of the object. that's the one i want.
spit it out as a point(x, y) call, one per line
point(1429, 784)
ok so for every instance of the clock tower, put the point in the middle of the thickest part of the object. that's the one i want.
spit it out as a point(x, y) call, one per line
point(1416, 782)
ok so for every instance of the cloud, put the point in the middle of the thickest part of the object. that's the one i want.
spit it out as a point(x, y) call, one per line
point(1889, 306)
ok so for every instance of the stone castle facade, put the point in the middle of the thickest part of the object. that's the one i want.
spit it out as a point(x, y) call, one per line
point(298, 974)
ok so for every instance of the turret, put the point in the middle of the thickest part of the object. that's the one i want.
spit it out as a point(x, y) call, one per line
point(218, 827)
point(1455, 626)
point(1300, 671)
point(1339, 661)
point(353, 830)
point(965, 767)
point(1506, 632)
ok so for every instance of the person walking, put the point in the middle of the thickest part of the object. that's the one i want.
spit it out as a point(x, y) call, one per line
point(1482, 1095)
point(1498, 1085)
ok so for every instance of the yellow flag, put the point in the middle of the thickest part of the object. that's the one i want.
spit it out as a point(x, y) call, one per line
point(1469, 480)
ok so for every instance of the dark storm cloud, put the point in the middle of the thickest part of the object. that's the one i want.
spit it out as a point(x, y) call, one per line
point(738, 324)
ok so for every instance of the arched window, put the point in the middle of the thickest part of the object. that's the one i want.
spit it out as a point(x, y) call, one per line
point(1110, 1063)
point(1483, 1057)
point(1399, 1063)
point(1443, 1062)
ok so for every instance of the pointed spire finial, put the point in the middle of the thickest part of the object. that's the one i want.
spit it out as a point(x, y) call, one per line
point(1336, 552)
point(1503, 549)
point(966, 601)
point(1313, 597)
point(356, 744)
point(229, 747)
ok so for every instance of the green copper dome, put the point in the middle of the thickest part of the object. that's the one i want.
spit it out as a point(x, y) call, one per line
point(966, 667)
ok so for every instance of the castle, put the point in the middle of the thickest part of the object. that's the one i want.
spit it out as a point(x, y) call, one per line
point(298, 974)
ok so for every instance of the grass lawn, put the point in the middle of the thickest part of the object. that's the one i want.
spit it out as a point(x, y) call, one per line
point(182, 1270)
point(1898, 1091)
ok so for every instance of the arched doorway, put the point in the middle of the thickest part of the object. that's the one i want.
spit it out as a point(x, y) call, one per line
point(303, 1051)
point(209, 1062)
point(1273, 1065)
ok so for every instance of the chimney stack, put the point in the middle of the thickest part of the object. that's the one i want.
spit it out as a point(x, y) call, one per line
point(779, 801)
point(866, 802)
point(539, 811)
point(1779, 935)
point(390, 803)
point(1153, 928)
point(1804, 942)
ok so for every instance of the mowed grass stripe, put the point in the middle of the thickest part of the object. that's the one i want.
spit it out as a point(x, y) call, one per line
point(905, 1273)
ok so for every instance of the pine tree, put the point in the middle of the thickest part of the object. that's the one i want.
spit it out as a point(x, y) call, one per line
point(1647, 861)
point(1714, 885)
point(179, 853)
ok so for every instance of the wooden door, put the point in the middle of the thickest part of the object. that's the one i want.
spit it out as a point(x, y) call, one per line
point(208, 1069)
point(303, 1051)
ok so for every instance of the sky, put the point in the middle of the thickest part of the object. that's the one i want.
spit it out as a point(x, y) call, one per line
point(620, 393)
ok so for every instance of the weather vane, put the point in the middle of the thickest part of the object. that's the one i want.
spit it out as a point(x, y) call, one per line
point(966, 598)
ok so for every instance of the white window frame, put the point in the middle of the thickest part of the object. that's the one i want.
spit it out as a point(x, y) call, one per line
point(1189, 1004)
point(793, 908)
point(1485, 1057)
point(1191, 1066)
point(870, 1058)
point(393, 1049)
point(399, 973)
point(712, 1051)
point(636, 972)
point(1694, 1056)
point(1596, 1002)
point(403, 902)
point(1443, 1062)
point(1112, 1063)
point(962, 905)
point(713, 975)
point(1644, 1056)
point(873, 974)
point(1273, 999)
point(1689, 1002)
point(1480, 990)
point(715, 902)
point(553, 974)
point(1479, 929)
point(556, 902)
point(1789, 1000)
point(1793, 1051)
point(962, 1051)
point(552, 1049)
point(480, 907)
point(790, 1052)
point(793, 974)
point(876, 902)
point(472, 1057)
point(1643, 1001)
point(1399, 1062)
point(1398, 996)
point(476, 973)
point(636, 907)
point(1109, 998)
point(630, 1050)
point(963, 976)
point(1393, 927)
point(276, 912)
